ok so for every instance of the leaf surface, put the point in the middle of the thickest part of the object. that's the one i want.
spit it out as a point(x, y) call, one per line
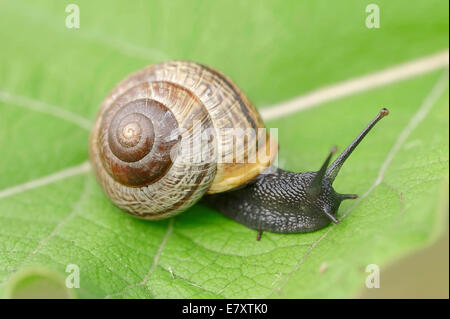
point(52, 80)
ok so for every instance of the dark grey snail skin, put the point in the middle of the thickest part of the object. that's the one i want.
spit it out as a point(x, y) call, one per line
point(289, 202)
point(278, 203)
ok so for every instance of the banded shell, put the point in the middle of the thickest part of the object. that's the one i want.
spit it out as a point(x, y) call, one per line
point(144, 146)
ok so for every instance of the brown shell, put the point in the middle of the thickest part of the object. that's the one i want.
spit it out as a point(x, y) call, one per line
point(144, 120)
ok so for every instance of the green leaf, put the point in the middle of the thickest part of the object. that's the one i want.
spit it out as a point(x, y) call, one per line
point(52, 80)
point(37, 282)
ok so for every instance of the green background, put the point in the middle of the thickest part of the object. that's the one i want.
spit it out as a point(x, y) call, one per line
point(274, 51)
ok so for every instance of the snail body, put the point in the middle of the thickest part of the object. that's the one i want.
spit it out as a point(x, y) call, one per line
point(135, 153)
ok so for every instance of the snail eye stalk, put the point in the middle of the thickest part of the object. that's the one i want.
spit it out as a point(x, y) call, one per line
point(333, 170)
point(316, 185)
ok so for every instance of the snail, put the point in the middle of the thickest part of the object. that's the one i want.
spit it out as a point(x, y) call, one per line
point(153, 162)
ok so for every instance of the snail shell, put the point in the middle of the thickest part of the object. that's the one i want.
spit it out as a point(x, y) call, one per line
point(134, 144)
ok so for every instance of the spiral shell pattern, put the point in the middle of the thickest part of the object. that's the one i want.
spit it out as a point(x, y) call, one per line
point(134, 142)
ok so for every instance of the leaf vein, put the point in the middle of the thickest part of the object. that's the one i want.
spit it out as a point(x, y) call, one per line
point(423, 110)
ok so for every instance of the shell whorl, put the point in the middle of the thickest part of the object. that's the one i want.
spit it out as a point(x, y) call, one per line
point(134, 141)
point(129, 150)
